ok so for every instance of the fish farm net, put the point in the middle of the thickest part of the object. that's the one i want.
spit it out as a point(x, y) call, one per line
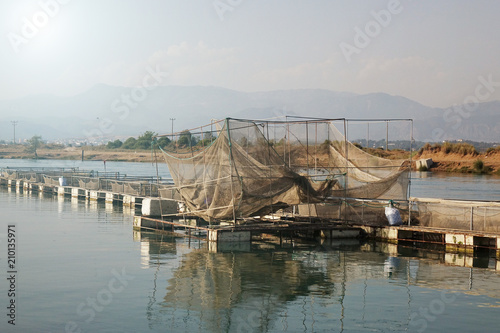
point(458, 214)
point(241, 168)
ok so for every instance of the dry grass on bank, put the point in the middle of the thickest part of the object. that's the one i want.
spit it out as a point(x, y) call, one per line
point(461, 158)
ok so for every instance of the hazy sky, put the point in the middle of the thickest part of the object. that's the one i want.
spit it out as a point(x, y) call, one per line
point(429, 51)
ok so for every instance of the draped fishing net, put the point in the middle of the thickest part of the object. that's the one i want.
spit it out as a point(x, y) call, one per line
point(251, 168)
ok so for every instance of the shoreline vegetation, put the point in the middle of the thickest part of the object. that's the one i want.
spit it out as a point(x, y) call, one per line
point(446, 157)
point(461, 158)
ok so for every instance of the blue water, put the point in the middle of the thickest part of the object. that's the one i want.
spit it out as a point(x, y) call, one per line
point(126, 168)
point(82, 268)
point(455, 186)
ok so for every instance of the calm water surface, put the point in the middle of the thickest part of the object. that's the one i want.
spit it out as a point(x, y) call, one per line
point(455, 186)
point(81, 268)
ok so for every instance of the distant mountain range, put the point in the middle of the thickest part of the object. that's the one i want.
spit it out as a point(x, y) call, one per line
point(118, 112)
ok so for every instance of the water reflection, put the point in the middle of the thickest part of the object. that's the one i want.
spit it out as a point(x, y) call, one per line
point(67, 249)
point(301, 289)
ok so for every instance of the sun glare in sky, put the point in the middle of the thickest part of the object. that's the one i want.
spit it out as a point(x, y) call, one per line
point(431, 52)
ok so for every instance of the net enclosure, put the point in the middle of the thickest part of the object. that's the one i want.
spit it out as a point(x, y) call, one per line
point(236, 168)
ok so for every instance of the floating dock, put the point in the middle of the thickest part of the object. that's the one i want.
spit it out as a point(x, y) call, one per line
point(451, 240)
point(111, 187)
point(448, 240)
point(74, 192)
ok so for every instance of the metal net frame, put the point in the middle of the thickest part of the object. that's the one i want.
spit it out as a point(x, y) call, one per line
point(237, 168)
point(477, 216)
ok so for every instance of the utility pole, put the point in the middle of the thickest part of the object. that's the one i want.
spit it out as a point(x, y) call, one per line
point(172, 119)
point(14, 123)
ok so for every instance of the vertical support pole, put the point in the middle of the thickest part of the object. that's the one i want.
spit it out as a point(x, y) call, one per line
point(316, 149)
point(284, 147)
point(367, 144)
point(408, 195)
point(346, 153)
point(289, 145)
point(307, 149)
point(307, 162)
point(207, 203)
point(329, 124)
point(231, 168)
point(386, 135)
point(275, 143)
point(157, 182)
point(269, 165)
point(409, 212)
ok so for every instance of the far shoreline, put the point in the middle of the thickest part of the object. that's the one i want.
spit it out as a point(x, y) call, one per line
point(446, 163)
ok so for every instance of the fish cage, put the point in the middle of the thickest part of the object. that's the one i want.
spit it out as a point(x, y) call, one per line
point(233, 169)
point(479, 216)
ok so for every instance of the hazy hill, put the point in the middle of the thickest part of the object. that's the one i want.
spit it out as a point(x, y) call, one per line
point(111, 112)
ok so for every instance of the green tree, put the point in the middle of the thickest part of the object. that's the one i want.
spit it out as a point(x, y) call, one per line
point(163, 141)
point(208, 138)
point(114, 144)
point(129, 143)
point(33, 144)
point(144, 141)
point(186, 139)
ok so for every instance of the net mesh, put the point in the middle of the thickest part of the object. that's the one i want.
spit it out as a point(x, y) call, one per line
point(89, 183)
point(250, 168)
point(456, 214)
point(359, 211)
point(50, 180)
